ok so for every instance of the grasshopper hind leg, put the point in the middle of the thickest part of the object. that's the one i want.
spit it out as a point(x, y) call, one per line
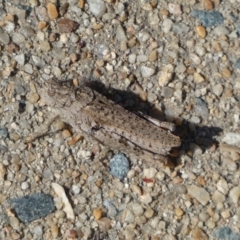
point(118, 143)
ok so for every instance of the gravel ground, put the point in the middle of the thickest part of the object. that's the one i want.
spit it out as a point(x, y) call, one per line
point(177, 60)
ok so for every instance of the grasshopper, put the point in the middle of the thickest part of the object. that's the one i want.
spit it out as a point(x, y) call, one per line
point(92, 114)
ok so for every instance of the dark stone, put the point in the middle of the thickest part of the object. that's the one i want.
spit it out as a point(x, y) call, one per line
point(3, 132)
point(237, 64)
point(119, 166)
point(32, 207)
point(226, 233)
point(3, 148)
point(208, 19)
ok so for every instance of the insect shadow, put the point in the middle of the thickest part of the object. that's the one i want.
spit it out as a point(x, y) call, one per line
point(202, 135)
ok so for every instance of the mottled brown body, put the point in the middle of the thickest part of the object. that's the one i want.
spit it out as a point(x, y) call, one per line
point(88, 111)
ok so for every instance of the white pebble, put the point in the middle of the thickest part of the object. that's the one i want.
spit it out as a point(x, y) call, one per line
point(76, 189)
point(147, 71)
point(201, 51)
point(9, 26)
point(137, 209)
point(20, 58)
point(131, 174)
point(174, 9)
point(97, 7)
point(143, 36)
point(217, 89)
point(231, 138)
point(132, 58)
point(167, 25)
point(221, 30)
point(25, 185)
point(149, 172)
point(38, 230)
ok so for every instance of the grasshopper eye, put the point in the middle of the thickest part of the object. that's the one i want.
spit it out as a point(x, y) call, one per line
point(51, 92)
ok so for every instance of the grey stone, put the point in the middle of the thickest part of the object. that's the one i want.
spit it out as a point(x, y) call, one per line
point(3, 148)
point(18, 38)
point(3, 132)
point(119, 166)
point(4, 38)
point(226, 233)
point(32, 207)
point(237, 64)
point(147, 71)
point(217, 89)
point(167, 92)
point(208, 19)
point(20, 58)
point(27, 31)
point(97, 7)
point(180, 28)
point(120, 34)
point(109, 205)
point(199, 193)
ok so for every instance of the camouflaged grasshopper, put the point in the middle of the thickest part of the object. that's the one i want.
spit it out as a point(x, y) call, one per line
point(93, 114)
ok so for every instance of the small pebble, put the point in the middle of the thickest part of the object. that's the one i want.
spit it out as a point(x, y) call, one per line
point(217, 89)
point(222, 186)
point(221, 30)
point(38, 230)
point(234, 194)
point(3, 132)
point(25, 185)
point(76, 189)
point(14, 222)
point(54, 230)
point(129, 234)
point(120, 34)
point(147, 71)
point(166, 75)
point(226, 214)
point(142, 58)
point(152, 56)
point(3, 171)
point(52, 11)
point(66, 25)
point(66, 133)
point(167, 25)
point(97, 213)
point(179, 212)
point(207, 4)
point(198, 78)
point(198, 233)
point(226, 73)
point(149, 213)
point(174, 9)
point(167, 92)
point(199, 193)
point(20, 59)
point(128, 216)
point(137, 209)
point(231, 138)
point(104, 224)
point(33, 97)
point(201, 31)
point(4, 38)
point(180, 28)
point(218, 197)
point(97, 7)
point(119, 166)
